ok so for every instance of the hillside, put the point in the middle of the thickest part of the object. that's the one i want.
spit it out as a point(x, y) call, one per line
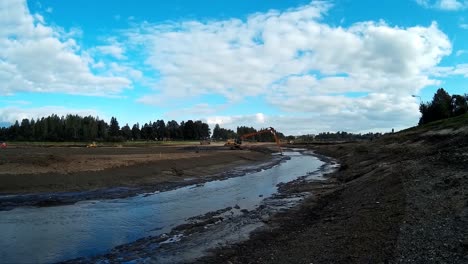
point(402, 198)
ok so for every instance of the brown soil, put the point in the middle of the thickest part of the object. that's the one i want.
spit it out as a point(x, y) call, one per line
point(400, 199)
point(39, 169)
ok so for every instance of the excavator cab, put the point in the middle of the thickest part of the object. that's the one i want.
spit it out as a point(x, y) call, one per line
point(233, 143)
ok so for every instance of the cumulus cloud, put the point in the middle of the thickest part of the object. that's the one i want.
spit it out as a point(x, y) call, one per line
point(292, 58)
point(12, 114)
point(452, 4)
point(114, 50)
point(297, 62)
point(194, 112)
point(35, 57)
point(459, 69)
point(447, 5)
point(238, 58)
point(461, 52)
point(311, 124)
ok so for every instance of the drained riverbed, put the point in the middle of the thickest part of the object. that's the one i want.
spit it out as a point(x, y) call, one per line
point(51, 234)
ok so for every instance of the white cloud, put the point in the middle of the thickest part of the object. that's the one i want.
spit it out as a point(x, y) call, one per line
point(463, 26)
point(15, 102)
point(461, 52)
point(445, 71)
point(260, 118)
point(223, 56)
point(39, 18)
point(124, 70)
point(447, 5)
point(114, 50)
point(35, 57)
point(312, 124)
point(452, 4)
point(424, 3)
point(292, 58)
point(12, 114)
point(193, 112)
point(238, 58)
point(299, 64)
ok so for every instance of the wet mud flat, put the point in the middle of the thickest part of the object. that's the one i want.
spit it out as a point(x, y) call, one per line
point(200, 235)
point(27, 170)
point(11, 201)
point(169, 220)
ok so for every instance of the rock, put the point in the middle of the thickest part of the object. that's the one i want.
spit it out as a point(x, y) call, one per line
point(464, 244)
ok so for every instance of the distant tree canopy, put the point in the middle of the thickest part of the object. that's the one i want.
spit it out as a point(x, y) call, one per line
point(264, 137)
point(223, 134)
point(345, 136)
point(88, 128)
point(443, 106)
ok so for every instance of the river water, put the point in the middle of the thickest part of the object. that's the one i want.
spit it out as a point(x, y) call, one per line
point(51, 234)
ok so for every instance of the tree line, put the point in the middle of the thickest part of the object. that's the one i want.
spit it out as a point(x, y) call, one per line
point(220, 133)
point(345, 136)
point(442, 106)
point(89, 128)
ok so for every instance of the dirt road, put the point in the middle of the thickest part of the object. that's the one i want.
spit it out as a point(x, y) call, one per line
point(39, 169)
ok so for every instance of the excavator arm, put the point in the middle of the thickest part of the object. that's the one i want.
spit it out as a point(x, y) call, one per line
point(267, 130)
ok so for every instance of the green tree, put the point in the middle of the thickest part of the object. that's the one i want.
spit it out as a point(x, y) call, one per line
point(103, 130)
point(25, 131)
point(147, 131)
point(114, 128)
point(136, 131)
point(160, 129)
point(189, 130)
point(439, 108)
point(173, 130)
point(126, 132)
point(89, 127)
point(216, 132)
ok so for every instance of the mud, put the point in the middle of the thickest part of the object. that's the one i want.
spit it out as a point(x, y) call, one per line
point(400, 199)
point(59, 169)
point(196, 175)
point(223, 227)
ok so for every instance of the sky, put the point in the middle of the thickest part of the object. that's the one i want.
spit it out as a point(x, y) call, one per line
point(302, 67)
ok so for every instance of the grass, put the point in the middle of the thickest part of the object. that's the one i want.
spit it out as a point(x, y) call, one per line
point(449, 123)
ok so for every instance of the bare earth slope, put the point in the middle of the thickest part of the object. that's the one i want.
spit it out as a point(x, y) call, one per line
point(400, 199)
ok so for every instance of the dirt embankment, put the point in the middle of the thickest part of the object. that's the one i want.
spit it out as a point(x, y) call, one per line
point(400, 199)
point(58, 169)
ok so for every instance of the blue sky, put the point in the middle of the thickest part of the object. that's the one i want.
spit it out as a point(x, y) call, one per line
point(299, 66)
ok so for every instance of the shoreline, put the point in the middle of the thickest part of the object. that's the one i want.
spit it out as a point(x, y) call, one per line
point(9, 201)
point(216, 225)
point(391, 202)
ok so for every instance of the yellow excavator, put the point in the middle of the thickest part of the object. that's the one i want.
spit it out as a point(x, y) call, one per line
point(236, 143)
point(233, 143)
point(92, 145)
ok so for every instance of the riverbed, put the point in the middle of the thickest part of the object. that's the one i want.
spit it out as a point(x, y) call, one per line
point(89, 228)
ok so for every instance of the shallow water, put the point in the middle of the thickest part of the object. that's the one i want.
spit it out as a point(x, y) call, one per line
point(51, 234)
